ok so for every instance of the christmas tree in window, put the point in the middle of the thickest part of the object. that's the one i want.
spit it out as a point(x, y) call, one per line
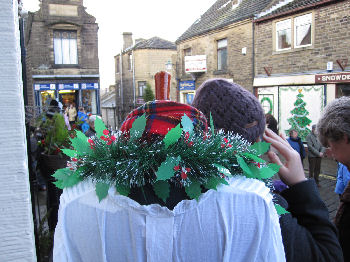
point(299, 120)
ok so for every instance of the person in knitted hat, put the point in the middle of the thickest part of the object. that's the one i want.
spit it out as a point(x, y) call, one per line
point(308, 234)
point(144, 198)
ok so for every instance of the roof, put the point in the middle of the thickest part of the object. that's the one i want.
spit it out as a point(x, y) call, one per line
point(153, 43)
point(222, 13)
point(289, 6)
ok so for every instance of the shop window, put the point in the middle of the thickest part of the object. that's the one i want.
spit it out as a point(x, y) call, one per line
point(46, 97)
point(141, 86)
point(65, 47)
point(222, 54)
point(283, 34)
point(89, 101)
point(294, 32)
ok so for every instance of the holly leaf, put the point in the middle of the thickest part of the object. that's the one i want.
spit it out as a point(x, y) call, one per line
point(71, 180)
point(213, 182)
point(58, 184)
point(223, 170)
point(254, 157)
point(99, 127)
point(266, 172)
point(123, 190)
point(193, 190)
point(244, 166)
point(260, 147)
point(172, 136)
point(162, 190)
point(138, 126)
point(62, 173)
point(211, 124)
point(101, 190)
point(69, 152)
point(166, 169)
point(274, 167)
point(187, 124)
point(280, 210)
point(255, 171)
point(80, 143)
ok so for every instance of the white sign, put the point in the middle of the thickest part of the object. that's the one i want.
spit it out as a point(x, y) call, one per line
point(195, 63)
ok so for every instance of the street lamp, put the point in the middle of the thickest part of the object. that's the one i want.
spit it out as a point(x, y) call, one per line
point(168, 66)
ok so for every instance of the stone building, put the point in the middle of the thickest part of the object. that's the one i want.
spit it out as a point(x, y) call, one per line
point(218, 44)
point(302, 46)
point(136, 66)
point(62, 55)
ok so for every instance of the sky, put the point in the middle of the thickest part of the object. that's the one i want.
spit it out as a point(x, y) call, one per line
point(167, 19)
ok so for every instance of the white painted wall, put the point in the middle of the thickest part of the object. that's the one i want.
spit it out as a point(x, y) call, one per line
point(16, 222)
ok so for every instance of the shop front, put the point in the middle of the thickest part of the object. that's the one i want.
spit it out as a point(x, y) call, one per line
point(187, 91)
point(82, 94)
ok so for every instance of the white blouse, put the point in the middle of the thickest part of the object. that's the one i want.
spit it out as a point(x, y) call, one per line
point(234, 223)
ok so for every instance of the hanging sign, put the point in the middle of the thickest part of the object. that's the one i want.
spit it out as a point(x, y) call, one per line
point(89, 86)
point(333, 78)
point(43, 87)
point(195, 63)
point(186, 85)
point(68, 86)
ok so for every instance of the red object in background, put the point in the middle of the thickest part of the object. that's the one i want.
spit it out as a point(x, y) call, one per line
point(162, 80)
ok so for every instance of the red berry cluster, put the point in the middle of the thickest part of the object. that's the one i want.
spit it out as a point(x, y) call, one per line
point(107, 138)
point(187, 136)
point(184, 171)
point(92, 143)
point(227, 144)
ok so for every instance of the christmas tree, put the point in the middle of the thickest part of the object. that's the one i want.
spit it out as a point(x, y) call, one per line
point(299, 121)
point(148, 95)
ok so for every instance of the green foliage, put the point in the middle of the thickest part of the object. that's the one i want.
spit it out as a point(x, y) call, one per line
point(99, 127)
point(280, 210)
point(166, 169)
point(162, 189)
point(66, 178)
point(193, 190)
point(148, 93)
point(260, 148)
point(172, 136)
point(187, 124)
point(138, 127)
point(123, 190)
point(101, 190)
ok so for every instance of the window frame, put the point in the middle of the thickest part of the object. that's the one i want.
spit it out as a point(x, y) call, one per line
point(69, 32)
point(219, 50)
point(141, 94)
point(276, 34)
point(295, 31)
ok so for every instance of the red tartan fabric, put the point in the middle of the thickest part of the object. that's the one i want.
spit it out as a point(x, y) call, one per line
point(164, 115)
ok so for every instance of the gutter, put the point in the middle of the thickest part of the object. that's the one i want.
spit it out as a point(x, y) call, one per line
point(323, 2)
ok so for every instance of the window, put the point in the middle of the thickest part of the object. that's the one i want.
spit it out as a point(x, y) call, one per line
point(302, 30)
point(283, 34)
point(142, 86)
point(222, 54)
point(65, 47)
point(187, 52)
point(130, 62)
point(294, 32)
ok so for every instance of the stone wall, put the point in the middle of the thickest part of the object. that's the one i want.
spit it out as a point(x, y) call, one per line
point(331, 42)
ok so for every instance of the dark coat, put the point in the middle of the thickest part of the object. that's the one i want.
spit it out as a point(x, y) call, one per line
point(307, 232)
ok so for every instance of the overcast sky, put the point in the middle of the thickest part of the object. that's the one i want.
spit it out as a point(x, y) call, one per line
point(167, 19)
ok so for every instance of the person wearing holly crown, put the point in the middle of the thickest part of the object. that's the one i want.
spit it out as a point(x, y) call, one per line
point(164, 189)
point(307, 233)
point(333, 129)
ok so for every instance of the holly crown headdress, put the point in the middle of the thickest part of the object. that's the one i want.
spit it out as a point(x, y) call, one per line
point(162, 142)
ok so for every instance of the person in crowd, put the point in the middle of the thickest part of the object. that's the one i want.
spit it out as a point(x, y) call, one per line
point(72, 113)
point(271, 123)
point(91, 131)
point(307, 232)
point(83, 119)
point(315, 154)
point(295, 142)
point(334, 132)
point(233, 223)
point(53, 109)
point(66, 119)
point(343, 178)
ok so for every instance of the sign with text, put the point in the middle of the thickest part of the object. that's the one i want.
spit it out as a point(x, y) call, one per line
point(89, 86)
point(68, 86)
point(333, 78)
point(187, 85)
point(195, 63)
point(43, 87)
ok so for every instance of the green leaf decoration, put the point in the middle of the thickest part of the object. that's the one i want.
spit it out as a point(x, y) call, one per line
point(58, 184)
point(280, 210)
point(260, 147)
point(213, 182)
point(62, 173)
point(166, 169)
point(274, 167)
point(223, 170)
point(99, 127)
point(255, 171)
point(123, 190)
point(101, 190)
point(211, 124)
point(193, 190)
point(244, 166)
point(66, 178)
point(69, 152)
point(138, 127)
point(71, 180)
point(172, 136)
point(80, 143)
point(162, 189)
point(254, 157)
point(187, 124)
point(266, 172)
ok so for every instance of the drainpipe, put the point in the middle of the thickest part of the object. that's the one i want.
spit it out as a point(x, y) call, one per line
point(133, 76)
point(253, 55)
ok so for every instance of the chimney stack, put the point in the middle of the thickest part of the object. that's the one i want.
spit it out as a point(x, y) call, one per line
point(127, 40)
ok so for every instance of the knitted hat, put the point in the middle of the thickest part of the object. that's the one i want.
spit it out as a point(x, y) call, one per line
point(232, 107)
point(164, 115)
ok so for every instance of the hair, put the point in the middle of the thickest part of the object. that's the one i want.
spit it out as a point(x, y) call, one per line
point(334, 124)
point(271, 123)
point(291, 131)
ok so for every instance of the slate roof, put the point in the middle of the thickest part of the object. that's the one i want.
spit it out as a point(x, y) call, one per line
point(294, 5)
point(221, 14)
point(154, 43)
